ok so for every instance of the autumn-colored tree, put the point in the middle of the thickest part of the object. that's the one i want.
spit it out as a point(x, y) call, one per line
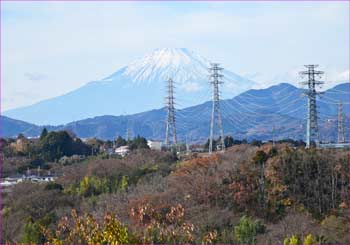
point(210, 237)
point(163, 224)
point(85, 230)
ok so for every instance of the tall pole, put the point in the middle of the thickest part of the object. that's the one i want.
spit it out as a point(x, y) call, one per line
point(170, 122)
point(312, 133)
point(215, 80)
point(128, 133)
point(341, 136)
point(187, 147)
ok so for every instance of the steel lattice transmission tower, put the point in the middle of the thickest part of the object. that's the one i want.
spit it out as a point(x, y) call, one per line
point(170, 122)
point(128, 133)
point(341, 136)
point(216, 80)
point(312, 133)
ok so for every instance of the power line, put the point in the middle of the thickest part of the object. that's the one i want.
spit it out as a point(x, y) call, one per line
point(285, 98)
point(329, 100)
point(333, 90)
point(267, 97)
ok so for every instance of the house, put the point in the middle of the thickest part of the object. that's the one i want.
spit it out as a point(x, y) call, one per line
point(154, 145)
point(10, 181)
point(13, 180)
point(122, 150)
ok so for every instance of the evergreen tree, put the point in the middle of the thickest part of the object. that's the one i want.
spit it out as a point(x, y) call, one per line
point(247, 230)
point(58, 144)
point(21, 136)
point(120, 141)
point(228, 141)
point(206, 145)
point(43, 134)
point(138, 143)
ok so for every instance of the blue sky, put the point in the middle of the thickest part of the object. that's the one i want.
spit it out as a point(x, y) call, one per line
point(51, 48)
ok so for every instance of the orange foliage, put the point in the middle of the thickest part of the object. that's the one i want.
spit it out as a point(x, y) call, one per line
point(194, 165)
point(163, 224)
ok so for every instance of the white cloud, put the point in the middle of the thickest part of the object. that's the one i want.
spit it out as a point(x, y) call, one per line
point(231, 86)
point(334, 77)
point(343, 76)
point(35, 76)
point(330, 78)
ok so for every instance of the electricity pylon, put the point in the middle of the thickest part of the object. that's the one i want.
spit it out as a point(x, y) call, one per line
point(216, 80)
point(187, 147)
point(170, 122)
point(341, 136)
point(312, 133)
point(128, 133)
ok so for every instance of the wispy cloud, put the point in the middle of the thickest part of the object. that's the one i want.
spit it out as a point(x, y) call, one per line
point(191, 87)
point(35, 76)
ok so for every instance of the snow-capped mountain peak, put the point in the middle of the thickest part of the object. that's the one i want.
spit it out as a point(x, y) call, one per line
point(180, 64)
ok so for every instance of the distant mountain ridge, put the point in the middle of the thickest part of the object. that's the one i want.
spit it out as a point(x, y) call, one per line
point(137, 87)
point(253, 114)
point(12, 127)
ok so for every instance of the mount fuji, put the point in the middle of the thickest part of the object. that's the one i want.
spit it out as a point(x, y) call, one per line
point(137, 87)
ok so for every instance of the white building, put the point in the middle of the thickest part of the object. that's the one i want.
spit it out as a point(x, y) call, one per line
point(10, 181)
point(154, 145)
point(122, 151)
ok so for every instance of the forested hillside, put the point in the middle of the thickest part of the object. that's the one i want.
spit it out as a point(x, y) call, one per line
point(248, 194)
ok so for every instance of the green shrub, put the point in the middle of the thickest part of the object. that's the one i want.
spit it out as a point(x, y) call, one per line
point(53, 186)
point(293, 240)
point(309, 240)
point(33, 231)
point(247, 230)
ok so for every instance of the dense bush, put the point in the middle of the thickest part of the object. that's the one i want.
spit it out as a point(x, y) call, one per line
point(138, 143)
point(33, 230)
point(247, 230)
point(93, 186)
point(317, 179)
point(55, 145)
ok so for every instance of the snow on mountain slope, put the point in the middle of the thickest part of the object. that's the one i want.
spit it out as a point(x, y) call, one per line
point(137, 87)
point(179, 64)
point(188, 69)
